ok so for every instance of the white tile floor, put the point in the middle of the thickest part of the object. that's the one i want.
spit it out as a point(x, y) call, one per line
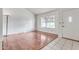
point(62, 44)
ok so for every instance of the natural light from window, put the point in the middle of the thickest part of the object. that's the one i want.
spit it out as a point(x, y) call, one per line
point(70, 19)
point(48, 22)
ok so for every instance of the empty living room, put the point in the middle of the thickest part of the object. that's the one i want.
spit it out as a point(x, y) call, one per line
point(40, 29)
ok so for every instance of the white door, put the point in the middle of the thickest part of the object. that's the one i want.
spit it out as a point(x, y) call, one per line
point(71, 24)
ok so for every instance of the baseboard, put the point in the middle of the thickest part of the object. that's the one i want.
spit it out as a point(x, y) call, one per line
point(70, 39)
point(16, 33)
point(44, 32)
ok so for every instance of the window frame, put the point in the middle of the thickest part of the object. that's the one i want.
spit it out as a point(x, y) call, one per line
point(49, 21)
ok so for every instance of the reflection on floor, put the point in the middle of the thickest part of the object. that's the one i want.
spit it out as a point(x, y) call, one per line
point(30, 41)
point(62, 44)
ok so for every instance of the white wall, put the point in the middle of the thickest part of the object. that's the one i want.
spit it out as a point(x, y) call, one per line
point(20, 20)
point(71, 29)
point(0, 22)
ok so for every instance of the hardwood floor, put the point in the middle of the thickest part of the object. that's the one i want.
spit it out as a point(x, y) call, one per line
point(27, 41)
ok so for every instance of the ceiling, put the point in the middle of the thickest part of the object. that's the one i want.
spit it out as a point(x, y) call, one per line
point(40, 10)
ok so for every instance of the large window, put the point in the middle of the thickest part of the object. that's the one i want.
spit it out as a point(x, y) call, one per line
point(48, 22)
point(43, 22)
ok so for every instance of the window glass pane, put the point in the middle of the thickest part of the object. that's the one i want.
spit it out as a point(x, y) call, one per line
point(43, 24)
point(42, 19)
point(50, 25)
point(70, 19)
point(51, 18)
